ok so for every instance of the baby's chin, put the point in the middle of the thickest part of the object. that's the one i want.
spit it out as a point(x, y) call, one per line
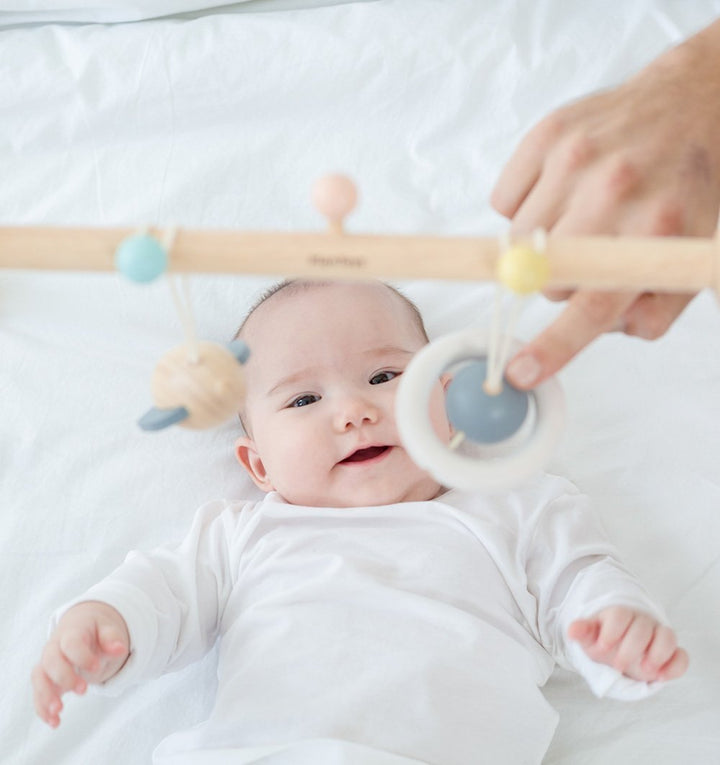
point(372, 496)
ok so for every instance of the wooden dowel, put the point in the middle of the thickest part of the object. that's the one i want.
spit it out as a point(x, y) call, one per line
point(670, 264)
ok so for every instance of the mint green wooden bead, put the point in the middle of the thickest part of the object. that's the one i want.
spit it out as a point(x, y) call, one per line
point(141, 258)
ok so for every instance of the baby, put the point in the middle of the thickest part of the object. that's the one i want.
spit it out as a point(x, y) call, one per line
point(366, 614)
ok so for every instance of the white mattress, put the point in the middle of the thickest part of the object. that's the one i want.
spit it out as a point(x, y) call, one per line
point(226, 120)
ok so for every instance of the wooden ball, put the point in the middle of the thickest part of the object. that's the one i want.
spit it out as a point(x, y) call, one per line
point(523, 270)
point(141, 258)
point(206, 379)
point(335, 196)
point(482, 417)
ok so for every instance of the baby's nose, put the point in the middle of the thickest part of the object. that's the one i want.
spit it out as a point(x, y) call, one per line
point(355, 411)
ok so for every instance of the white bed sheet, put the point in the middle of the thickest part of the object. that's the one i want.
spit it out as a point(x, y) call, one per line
point(226, 120)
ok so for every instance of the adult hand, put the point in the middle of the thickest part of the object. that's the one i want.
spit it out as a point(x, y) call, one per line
point(90, 644)
point(643, 160)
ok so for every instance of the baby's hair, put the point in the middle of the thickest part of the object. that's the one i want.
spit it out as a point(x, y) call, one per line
point(292, 286)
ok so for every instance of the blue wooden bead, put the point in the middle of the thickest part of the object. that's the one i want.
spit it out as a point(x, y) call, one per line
point(141, 258)
point(481, 417)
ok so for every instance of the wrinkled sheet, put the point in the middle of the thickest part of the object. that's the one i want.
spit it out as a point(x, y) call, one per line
point(19, 12)
point(226, 120)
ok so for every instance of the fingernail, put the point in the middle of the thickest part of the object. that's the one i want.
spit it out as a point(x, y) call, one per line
point(523, 371)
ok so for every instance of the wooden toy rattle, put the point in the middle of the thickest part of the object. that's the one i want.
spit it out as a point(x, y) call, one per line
point(501, 434)
point(198, 384)
point(510, 433)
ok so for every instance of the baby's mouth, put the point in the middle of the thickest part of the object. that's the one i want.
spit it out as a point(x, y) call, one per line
point(364, 455)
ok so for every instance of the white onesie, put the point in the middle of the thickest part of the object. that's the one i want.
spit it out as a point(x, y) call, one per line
point(411, 633)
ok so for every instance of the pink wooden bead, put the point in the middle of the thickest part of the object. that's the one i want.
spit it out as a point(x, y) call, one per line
point(334, 196)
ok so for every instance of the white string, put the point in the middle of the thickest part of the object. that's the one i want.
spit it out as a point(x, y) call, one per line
point(496, 382)
point(493, 372)
point(456, 440)
point(497, 361)
point(495, 324)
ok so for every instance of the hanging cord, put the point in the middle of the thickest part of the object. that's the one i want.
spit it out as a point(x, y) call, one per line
point(180, 291)
point(492, 384)
point(498, 354)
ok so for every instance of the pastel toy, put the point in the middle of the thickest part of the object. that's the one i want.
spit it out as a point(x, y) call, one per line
point(501, 435)
point(198, 386)
point(484, 417)
point(141, 258)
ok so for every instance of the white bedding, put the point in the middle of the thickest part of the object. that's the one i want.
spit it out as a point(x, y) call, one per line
point(225, 121)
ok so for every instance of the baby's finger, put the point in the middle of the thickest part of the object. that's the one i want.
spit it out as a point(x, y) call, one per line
point(76, 647)
point(58, 668)
point(45, 697)
point(634, 642)
point(111, 641)
point(584, 631)
point(676, 667)
point(613, 625)
point(660, 650)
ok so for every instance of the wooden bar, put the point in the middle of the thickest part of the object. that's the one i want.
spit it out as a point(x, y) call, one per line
point(672, 264)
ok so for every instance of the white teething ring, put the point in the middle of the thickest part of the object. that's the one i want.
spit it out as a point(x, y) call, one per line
point(503, 470)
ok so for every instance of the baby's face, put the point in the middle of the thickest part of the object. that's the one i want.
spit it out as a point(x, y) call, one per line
point(320, 405)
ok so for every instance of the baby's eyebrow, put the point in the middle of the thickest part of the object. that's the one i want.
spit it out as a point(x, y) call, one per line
point(290, 379)
point(295, 377)
point(389, 350)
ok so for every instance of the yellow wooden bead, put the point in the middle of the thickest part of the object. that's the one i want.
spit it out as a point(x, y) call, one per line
point(523, 270)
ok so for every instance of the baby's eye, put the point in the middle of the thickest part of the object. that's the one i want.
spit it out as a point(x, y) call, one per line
point(306, 400)
point(383, 377)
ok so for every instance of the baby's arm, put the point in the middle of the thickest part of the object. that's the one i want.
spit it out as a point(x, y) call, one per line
point(575, 575)
point(90, 644)
point(631, 641)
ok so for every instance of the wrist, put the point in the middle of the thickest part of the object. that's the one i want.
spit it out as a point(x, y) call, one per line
point(694, 63)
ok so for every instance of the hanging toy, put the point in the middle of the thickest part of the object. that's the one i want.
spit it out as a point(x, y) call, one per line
point(198, 384)
point(501, 434)
point(506, 434)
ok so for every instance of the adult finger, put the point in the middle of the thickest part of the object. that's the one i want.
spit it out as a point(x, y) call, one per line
point(652, 314)
point(588, 314)
point(524, 167)
point(567, 176)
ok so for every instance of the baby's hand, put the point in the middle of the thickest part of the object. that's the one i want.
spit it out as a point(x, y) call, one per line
point(90, 644)
point(633, 642)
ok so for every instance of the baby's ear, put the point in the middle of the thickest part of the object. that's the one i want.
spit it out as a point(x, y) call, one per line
point(247, 455)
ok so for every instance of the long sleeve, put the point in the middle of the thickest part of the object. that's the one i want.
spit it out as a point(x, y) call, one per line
point(172, 598)
point(573, 572)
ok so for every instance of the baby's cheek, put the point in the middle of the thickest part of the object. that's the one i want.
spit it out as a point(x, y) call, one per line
point(296, 462)
point(438, 414)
